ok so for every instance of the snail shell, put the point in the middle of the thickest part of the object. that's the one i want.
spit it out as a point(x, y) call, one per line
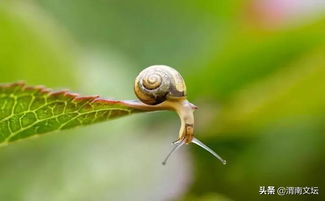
point(158, 83)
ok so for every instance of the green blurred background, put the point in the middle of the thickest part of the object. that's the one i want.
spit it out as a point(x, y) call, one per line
point(255, 68)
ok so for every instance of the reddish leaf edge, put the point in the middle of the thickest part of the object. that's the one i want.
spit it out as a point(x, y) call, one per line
point(21, 85)
point(134, 106)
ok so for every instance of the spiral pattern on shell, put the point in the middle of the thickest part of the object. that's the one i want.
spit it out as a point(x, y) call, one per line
point(157, 83)
point(152, 80)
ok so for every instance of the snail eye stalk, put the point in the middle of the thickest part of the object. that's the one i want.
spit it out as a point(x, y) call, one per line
point(199, 143)
point(174, 149)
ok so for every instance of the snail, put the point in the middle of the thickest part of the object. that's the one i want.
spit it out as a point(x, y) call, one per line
point(161, 87)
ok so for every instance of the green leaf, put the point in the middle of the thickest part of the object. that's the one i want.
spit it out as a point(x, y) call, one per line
point(30, 110)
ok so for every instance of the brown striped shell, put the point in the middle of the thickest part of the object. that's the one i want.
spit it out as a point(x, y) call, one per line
point(158, 83)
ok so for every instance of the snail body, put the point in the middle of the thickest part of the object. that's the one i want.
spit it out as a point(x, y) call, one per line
point(161, 87)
